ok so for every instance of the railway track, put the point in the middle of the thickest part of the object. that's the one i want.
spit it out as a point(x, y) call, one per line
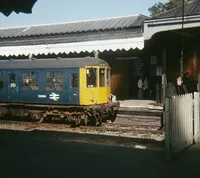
point(147, 127)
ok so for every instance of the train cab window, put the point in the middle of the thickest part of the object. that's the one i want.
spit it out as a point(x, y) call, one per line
point(74, 80)
point(55, 80)
point(108, 77)
point(30, 81)
point(102, 77)
point(1, 80)
point(91, 77)
point(12, 79)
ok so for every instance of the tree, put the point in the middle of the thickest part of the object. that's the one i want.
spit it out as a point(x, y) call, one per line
point(24, 6)
point(163, 7)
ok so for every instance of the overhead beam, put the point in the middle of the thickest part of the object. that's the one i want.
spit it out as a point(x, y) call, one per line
point(152, 27)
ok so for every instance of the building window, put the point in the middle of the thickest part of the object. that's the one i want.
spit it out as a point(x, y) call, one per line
point(102, 77)
point(55, 80)
point(30, 81)
point(75, 80)
point(91, 77)
point(108, 77)
point(1, 80)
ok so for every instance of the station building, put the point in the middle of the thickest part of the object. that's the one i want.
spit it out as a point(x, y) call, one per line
point(135, 46)
point(172, 42)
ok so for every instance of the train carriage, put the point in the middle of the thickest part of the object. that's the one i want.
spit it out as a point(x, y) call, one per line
point(72, 89)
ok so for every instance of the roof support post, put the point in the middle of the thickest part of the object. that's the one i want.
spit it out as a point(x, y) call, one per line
point(96, 54)
point(164, 77)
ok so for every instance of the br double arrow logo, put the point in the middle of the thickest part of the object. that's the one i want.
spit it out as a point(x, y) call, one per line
point(54, 96)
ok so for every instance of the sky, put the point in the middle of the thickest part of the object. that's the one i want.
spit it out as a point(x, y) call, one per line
point(58, 11)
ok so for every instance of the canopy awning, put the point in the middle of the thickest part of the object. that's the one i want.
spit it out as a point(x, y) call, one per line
point(89, 46)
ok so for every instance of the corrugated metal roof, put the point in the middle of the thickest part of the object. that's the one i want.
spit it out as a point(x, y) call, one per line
point(74, 27)
point(190, 8)
point(88, 46)
point(52, 63)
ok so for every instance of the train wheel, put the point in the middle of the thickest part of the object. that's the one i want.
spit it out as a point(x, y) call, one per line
point(41, 120)
point(113, 116)
point(78, 121)
point(92, 121)
point(35, 116)
point(86, 121)
point(5, 112)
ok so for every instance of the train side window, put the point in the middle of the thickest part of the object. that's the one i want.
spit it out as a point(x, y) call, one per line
point(55, 80)
point(1, 80)
point(74, 80)
point(91, 77)
point(108, 77)
point(102, 77)
point(12, 79)
point(30, 81)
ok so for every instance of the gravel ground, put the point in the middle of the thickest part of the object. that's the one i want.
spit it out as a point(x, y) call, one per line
point(123, 132)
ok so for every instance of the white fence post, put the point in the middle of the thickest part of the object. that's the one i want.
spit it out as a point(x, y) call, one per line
point(196, 117)
point(168, 129)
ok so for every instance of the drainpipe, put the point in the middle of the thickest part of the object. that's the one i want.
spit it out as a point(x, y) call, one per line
point(181, 59)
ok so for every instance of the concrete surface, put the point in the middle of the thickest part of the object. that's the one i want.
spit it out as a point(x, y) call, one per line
point(140, 107)
point(134, 104)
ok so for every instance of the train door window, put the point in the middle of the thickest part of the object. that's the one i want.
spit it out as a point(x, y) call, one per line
point(55, 80)
point(30, 80)
point(91, 77)
point(102, 77)
point(108, 77)
point(12, 79)
point(1, 80)
point(74, 80)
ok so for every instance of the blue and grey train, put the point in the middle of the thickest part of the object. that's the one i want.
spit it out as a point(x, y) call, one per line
point(75, 90)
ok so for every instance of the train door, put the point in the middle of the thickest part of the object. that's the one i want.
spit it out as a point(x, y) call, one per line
point(13, 89)
point(3, 88)
point(74, 86)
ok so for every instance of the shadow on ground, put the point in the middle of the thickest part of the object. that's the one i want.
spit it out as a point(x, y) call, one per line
point(38, 155)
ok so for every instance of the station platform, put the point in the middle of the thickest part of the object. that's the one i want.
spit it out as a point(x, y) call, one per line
point(145, 107)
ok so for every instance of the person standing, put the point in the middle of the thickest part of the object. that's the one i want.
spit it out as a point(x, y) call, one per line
point(146, 88)
point(140, 88)
point(186, 83)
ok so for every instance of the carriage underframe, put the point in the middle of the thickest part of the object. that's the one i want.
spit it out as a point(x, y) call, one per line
point(77, 115)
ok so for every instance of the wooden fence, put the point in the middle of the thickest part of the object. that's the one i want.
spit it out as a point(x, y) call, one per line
point(181, 114)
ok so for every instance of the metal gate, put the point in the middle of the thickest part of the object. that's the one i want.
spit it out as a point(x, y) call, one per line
point(181, 114)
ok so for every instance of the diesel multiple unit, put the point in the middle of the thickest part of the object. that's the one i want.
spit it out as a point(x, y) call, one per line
point(71, 89)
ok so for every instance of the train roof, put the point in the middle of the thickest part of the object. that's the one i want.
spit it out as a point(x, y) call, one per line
point(55, 63)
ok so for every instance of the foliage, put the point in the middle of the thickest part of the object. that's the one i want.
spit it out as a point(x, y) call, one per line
point(24, 6)
point(163, 7)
